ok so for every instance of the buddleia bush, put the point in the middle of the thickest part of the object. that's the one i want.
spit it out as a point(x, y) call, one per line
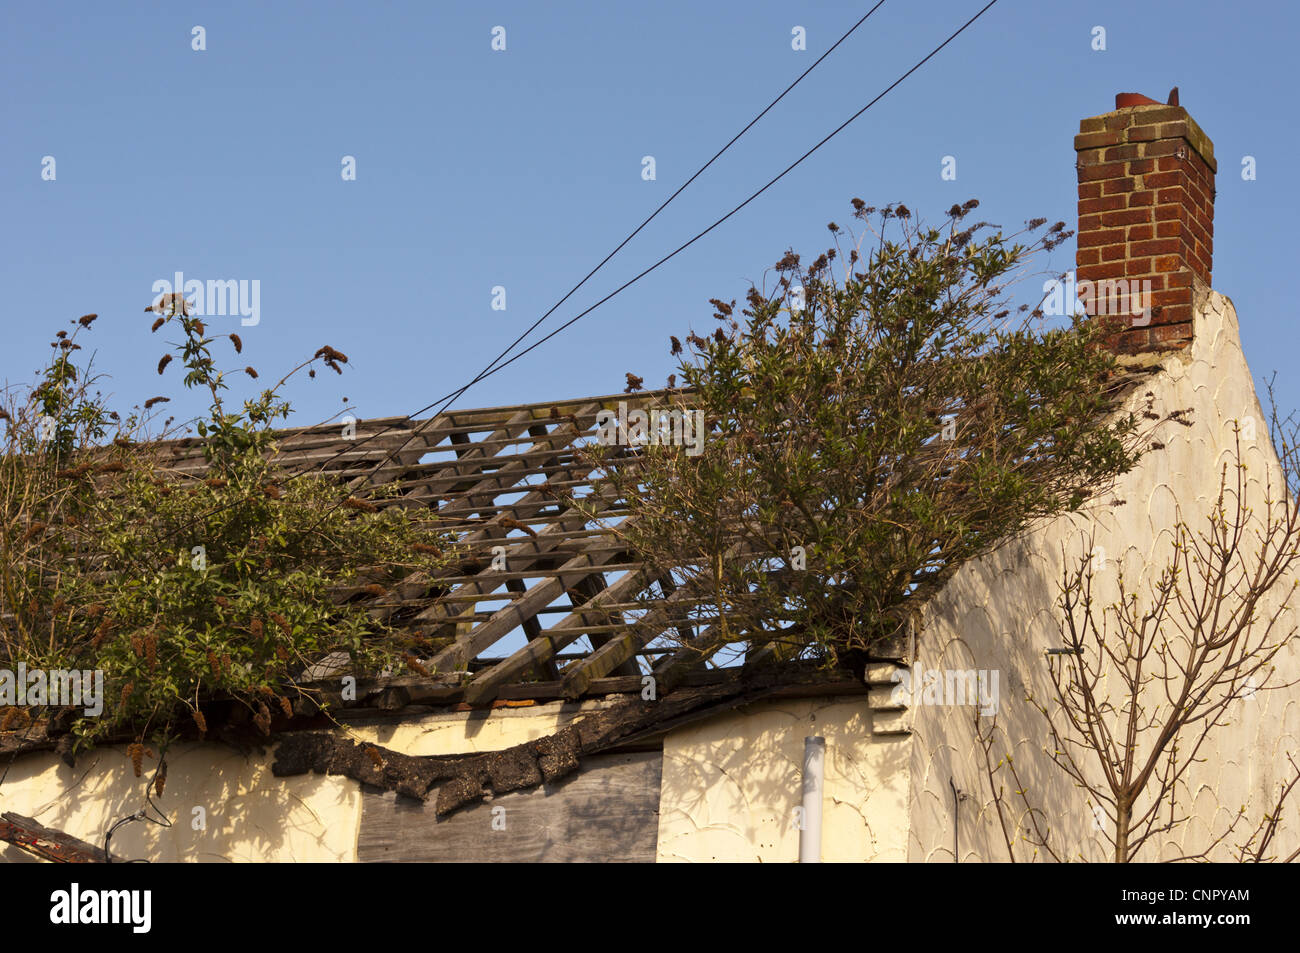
point(875, 418)
point(182, 588)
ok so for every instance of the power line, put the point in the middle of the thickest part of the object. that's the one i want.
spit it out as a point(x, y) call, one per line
point(495, 367)
point(772, 182)
point(490, 368)
point(446, 400)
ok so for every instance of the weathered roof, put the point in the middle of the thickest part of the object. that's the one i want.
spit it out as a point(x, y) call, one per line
point(552, 619)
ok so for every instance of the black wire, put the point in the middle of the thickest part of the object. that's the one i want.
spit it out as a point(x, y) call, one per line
point(494, 367)
point(488, 370)
point(491, 368)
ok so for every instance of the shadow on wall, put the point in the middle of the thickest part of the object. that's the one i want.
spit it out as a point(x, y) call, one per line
point(731, 786)
point(223, 806)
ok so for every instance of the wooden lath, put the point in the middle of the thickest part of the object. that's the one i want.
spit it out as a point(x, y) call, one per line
point(499, 477)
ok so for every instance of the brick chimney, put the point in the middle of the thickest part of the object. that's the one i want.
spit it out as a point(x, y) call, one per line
point(1146, 214)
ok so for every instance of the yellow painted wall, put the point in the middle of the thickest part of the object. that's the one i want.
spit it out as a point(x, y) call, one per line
point(731, 784)
point(999, 613)
point(250, 814)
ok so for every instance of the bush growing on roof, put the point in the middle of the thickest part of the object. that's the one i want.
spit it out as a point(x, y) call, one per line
point(181, 587)
point(876, 418)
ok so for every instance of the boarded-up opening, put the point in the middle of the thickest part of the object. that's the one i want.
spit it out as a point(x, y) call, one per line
point(607, 812)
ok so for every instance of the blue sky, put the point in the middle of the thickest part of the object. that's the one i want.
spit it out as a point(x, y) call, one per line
point(522, 168)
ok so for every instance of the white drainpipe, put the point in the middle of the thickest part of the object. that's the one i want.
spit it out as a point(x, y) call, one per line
point(810, 833)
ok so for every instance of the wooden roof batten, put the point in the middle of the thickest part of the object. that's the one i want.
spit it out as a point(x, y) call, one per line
point(500, 477)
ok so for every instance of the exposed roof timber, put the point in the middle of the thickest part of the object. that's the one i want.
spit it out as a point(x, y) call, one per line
point(500, 477)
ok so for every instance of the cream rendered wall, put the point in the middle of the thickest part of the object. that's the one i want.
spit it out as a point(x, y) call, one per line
point(999, 613)
point(251, 815)
point(731, 784)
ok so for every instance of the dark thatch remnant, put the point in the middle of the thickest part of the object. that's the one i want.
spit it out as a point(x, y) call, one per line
point(457, 780)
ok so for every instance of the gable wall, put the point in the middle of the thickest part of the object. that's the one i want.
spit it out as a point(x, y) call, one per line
point(999, 614)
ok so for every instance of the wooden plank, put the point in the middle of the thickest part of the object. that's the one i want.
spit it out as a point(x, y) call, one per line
point(484, 686)
point(606, 813)
point(49, 844)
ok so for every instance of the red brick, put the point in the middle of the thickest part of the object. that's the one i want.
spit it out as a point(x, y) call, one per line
point(1113, 186)
point(1139, 233)
point(1129, 216)
point(1087, 256)
point(1096, 139)
point(1137, 266)
point(1089, 190)
point(1160, 180)
point(1114, 269)
point(1107, 204)
point(1171, 333)
point(1167, 263)
point(1151, 150)
point(1162, 299)
point(1121, 153)
point(1142, 198)
point(1158, 246)
point(1114, 253)
point(1106, 170)
point(1146, 115)
point(1101, 236)
point(1164, 130)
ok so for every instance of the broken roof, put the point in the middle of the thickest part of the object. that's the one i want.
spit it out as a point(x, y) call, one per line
point(548, 615)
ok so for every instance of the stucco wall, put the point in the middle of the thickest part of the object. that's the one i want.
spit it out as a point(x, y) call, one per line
point(731, 784)
point(248, 813)
point(1000, 614)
